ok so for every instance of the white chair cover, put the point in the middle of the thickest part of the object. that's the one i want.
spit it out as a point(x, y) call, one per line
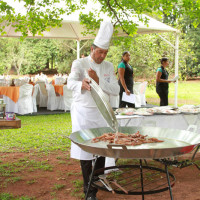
point(18, 82)
point(2, 82)
point(59, 80)
point(54, 102)
point(142, 93)
point(43, 95)
point(68, 98)
point(136, 91)
point(114, 101)
point(34, 97)
point(25, 104)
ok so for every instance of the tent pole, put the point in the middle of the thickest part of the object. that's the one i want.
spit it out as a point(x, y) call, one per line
point(176, 69)
point(78, 49)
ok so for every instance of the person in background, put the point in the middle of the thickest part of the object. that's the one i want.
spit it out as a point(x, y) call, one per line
point(83, 55)
point(125, 72)
point(162, 82)
point(84, 112)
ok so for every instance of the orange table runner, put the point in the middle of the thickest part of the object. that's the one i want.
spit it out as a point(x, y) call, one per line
point(53, 82)
point(59, 89)
point(10, 91)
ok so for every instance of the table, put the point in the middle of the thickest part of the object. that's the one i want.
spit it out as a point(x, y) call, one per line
point(10, 91)
point(178, 121)
point(59, 89)
point(9, 124)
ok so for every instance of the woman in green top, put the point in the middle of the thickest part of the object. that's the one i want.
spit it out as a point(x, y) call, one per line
point(162, 82)
point(125, 72)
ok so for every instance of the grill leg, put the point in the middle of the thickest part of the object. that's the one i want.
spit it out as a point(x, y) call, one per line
point(168, 180)
point(195, 152)
point(141, 177)
point(91, 176)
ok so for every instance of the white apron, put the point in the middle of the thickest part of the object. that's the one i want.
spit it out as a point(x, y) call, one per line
point(84, 118)
point(84, 112)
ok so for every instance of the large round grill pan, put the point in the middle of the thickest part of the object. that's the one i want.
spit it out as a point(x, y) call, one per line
point(176, 142)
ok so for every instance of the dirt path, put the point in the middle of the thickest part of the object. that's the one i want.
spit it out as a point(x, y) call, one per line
point(57, 177)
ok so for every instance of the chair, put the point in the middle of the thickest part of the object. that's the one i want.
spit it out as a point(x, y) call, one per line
point(34, 97)
point(18, 82)
point(136, 91)
point(42, 98)
point(142, 93)
point(2, 82)
point(54, 102)
point(67, 97)
point(25, 103)
point(59, 80)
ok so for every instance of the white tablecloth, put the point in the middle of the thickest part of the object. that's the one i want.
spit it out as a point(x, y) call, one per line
point(179, 121)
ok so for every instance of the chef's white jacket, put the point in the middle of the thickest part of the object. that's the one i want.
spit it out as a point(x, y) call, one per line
point(84, 112)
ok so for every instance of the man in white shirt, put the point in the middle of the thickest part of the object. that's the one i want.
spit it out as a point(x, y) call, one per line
point(84, 112)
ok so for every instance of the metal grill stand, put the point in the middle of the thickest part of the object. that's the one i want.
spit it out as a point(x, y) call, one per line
point(140, 176)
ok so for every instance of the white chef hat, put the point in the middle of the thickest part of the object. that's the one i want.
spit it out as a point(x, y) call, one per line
point(104, 35)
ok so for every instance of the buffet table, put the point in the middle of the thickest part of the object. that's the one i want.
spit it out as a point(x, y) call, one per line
point(177, 121)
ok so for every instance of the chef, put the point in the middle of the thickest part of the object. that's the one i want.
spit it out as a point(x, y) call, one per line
point(84, 112)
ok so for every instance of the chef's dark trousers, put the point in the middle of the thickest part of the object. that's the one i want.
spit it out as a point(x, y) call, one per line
point(122, 104)
point(86, 167)
point(163, 94)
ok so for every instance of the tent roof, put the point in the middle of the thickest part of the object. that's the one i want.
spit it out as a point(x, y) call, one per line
point(72, 30)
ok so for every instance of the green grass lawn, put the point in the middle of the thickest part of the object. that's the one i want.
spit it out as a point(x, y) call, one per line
point(188, 93)
point(39, 133)
point(47, 132)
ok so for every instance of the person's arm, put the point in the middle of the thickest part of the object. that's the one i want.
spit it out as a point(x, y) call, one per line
point(158, 78)
point(74, 81)
point(121, 72)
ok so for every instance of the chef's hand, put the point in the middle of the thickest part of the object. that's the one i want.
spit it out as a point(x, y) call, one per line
point(127, 92)
point(92, 74)
point(85, 84)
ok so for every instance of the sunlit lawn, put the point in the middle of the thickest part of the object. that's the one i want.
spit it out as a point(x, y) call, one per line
point(39, 133)
point(188, 93)
point(47, 132)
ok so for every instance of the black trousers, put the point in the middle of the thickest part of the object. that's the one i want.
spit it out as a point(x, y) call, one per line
point(163, 94)
point(86, 167)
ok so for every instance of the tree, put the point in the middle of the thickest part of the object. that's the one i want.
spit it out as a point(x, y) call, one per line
point(146, 50)
point(42, 14)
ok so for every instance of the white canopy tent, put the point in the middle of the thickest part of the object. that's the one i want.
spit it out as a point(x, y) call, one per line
point(73, 30)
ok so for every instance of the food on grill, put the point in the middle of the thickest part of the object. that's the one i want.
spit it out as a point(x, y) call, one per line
point(125, 139)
